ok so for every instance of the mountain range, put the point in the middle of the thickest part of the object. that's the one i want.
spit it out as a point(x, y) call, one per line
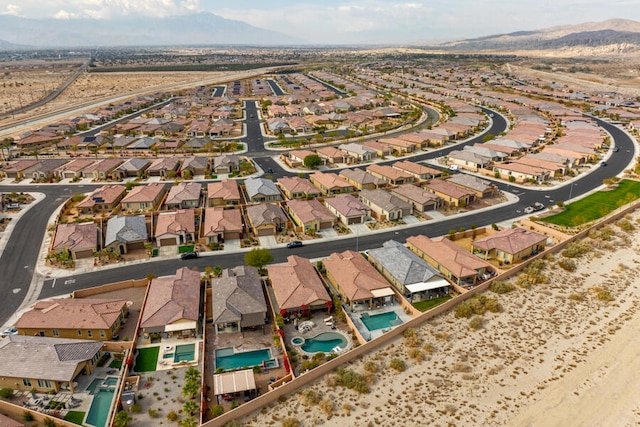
point(613, 36)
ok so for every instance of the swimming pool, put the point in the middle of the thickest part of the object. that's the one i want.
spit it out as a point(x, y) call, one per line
point(325, 342)
point(100, 405)
point(102, 383)
point(380, 321)
point(227, 359)
point(185, 353)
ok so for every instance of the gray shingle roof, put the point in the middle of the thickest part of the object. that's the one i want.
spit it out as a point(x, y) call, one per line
point(256, 186)
point(126, 229)
point(403, 264)
point(238, 292)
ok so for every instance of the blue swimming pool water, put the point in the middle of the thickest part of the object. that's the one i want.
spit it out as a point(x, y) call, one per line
point(100, 406)
point(381, 320)
point(229, 360)
point(110, 381)
point(325, 342)
point(91, 388)
point(185, 353)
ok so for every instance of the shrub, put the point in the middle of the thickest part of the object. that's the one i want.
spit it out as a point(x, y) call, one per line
point(576, 296)
point(602, 294)
point(48, 422)
point(136, 408)
point(499, 287)
point(478, 305)
point(625, 225)
point(290, 422)
point(27, 416)
point(568, 264)
point(309, 397)
point(153, 413)
point(411, 338)
point(216, 410)
point(371, 367)
point(6, 393)
point(416, 354)
point(172, 416)
point(351, 380)
point(577, 249)
point(476, 323)
point(326, 406)
point(398, 364)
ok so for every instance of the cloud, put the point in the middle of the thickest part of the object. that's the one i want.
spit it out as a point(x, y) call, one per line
point(64, 15)
point(109, 9)
point(12, 9)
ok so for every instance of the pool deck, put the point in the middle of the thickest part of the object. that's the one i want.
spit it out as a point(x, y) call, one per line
point(358, 310)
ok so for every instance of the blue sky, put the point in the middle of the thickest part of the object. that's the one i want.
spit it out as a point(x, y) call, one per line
point(354, 21)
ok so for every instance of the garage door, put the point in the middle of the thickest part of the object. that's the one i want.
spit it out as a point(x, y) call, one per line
point(265, 232)
point(326, 224)
point(168, 241)
point(356, 220)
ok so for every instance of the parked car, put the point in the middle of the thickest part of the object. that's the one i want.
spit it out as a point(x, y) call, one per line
point(13, 206)
point(9, 331)
point(616, 149)
point(269, 170)
point(537, 206)
point(189, 255)
point(528, 210)
point(454, 167)
point(294, 244)
point(603, 163)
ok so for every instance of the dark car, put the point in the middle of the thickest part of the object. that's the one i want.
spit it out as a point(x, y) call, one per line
point(616, 149)
point(269, 170)
point(603, 163)
point(294, 244)
point(189, 255)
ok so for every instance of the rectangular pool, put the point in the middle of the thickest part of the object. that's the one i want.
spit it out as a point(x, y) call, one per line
point(227, 359)
point(100, 405)
point(185, 353)
point(380, 321)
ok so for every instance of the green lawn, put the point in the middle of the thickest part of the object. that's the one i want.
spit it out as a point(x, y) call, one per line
point(147, 359)
point(75, 417)
point(430, 303)
point(596, 205)
point(115, 364)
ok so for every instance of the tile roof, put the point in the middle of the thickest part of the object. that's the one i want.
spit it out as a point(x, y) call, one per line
point(76, 236)
point(510, 240)
point(144, 193)
point(256, 186)
point(182, 220)
point(361, 177)
point(384, 199)
point(227, 189)
point(415, 193)
point(295, 184)
point(266, 214)
point(236, 293)
point(451, 256)
point(347, 205)
point(310, 210)
point(219, 220)
point(296, 283)
point(172, 298)
point(354, 275)
point(182, 192)
point(54, 359)
point(72, 313)
point(449, 189)
point(107, 194)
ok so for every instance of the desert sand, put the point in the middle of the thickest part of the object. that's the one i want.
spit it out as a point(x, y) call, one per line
point(561, 353)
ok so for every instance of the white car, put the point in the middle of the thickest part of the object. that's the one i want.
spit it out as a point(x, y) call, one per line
point(9, 331)
point(454, 167)
point(529, 210)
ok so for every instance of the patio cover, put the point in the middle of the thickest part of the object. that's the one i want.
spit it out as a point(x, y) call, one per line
point(234, 382)
point(425, 286)
point(383, 292)
point(180, 326)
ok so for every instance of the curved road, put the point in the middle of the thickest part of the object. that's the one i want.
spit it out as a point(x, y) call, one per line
point(20, 255)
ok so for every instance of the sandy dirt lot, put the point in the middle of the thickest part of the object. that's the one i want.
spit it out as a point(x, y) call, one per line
point(560, 353)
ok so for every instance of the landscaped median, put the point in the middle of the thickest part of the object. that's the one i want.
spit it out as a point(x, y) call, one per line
point(597, 205)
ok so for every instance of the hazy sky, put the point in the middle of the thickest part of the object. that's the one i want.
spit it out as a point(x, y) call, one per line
point(355, 21)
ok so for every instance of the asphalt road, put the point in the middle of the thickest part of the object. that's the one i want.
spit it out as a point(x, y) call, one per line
point(19, 258)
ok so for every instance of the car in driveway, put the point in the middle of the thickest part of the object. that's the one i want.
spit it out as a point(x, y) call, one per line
point(9, 331)
point(189, 255)
point(294, 244)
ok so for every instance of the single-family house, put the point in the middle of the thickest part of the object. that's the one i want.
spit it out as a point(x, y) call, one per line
point(453, 262)
point(222, 224)
point(223, 193)
point(262, 190)
point(522, 172)
point(46, 365)
point(175, 228)
point(295, 187)
point(468, 160)
point(225, 164)
point(509, 245)
point(420, 172)
point(359, 152)
point(356, 280)
point(422, 200)
point(126, 233)
point(172, 307)
point(348, 209)
point(361, 179)
point(45, 169)
point(165, 167)
point(482, 188)
point(78, 318)
point(334, 155)
point(185, 195)
point(16, 170)
point(266, 219)
point(310, 215)
point(132, 168)
point(102, 169)
point(144, 197)
point(102, 200)
point(451, 194)
point(73, 169)
point(194, 165)
point(385, 205)
point(408, 273)
point(330, 183)
point(390, 174)
point(297, 287)
point(238, 300)
point(80, 240)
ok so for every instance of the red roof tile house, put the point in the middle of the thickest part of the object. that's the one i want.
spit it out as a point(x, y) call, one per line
point(172, 306)
point(422, 200)
point(16, 170)
point(73, 169)
point(80, 240)
point(390, 174)
point(385, 205)
point(310, 215)
point(451, 194)
point(222, 224)
point(295, 187)
point(223, 193)
point(510, 245)
point(266, 219)
point(355, 279)
point(184, 195)
point(102, 169)
point(165, 167)
point(102, 200)
point(79, 318)
point(348, 209)
point(330, 183)
point(297, 287)
point(175, 228)
point(334, 155)
point(452, 261)
point(417, 170)
point(144, 197)
point(361, 179)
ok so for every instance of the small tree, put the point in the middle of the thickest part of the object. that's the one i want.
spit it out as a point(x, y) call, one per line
point(190, 407)
point(258, 258)
point(312, 161)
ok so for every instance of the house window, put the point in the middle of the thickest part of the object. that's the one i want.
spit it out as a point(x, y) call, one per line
point(55, 332)
point(90, 333)
point(102, 334)
point(44, 383)
point(79, 332)
point(26, 382)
